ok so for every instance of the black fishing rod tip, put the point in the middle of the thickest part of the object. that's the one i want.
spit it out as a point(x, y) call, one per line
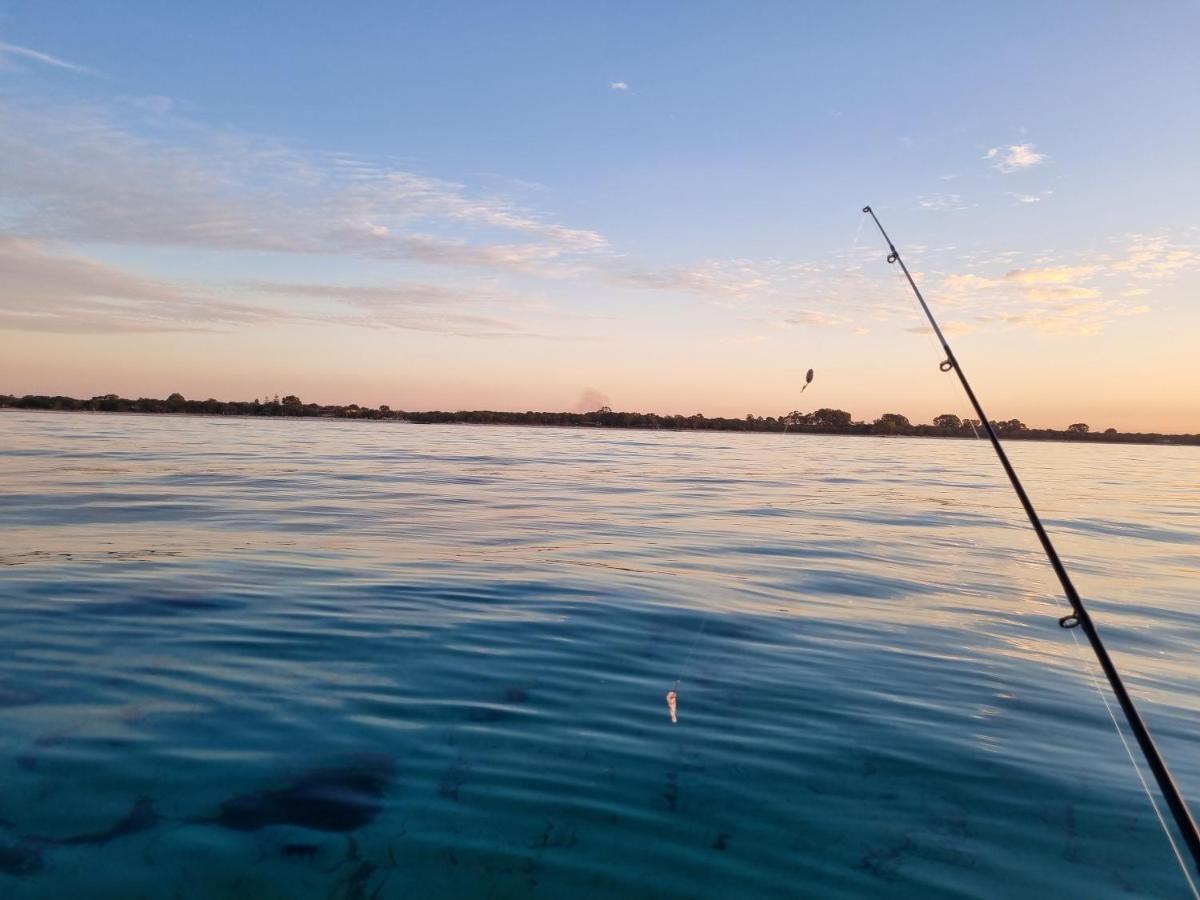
point(866, 209)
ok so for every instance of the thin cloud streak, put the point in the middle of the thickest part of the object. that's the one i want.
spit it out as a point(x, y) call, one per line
point(46, 289)
point(717, 279)
point(7, 49)
point(813, 317)
point(940, 202)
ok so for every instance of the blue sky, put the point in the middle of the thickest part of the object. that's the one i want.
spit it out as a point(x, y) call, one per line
point(538, 205)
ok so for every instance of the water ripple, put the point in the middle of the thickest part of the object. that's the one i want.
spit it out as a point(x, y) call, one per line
point(873, 695)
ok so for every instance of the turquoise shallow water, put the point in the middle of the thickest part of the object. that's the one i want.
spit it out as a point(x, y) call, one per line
point(875, 696)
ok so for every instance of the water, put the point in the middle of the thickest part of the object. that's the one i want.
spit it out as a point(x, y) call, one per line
point(875, 698)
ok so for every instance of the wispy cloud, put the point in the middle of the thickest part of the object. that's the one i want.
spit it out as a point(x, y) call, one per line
point(736, 279)
point(1083, 298)
point(138, 173)
point(618, 85)
point(1015, 157)
point(1050, 275)
point(941, 202)
point(45, 289)
point(413, 306)
point(1025, 199)
point(92, 173)
point(49, 289)
point(1156, 257)
point(11, 50)
point(153, 104)
point(812, 317)
point(950, 327)
point(1087, 318)
point(370, 296)
point(76, 173)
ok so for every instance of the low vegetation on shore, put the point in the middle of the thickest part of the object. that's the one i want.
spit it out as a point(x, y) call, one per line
point(821, 421)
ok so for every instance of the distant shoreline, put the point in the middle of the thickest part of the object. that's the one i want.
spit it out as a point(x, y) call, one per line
point(822, 421)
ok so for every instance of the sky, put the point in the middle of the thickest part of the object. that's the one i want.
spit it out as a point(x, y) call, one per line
point(559, 206)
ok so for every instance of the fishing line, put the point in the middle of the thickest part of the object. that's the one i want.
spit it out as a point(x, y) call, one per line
point(854, 243)
point(1090, 666)
point(695, 641)
point(673, 693)
point(848, 257)
point(1079, 616)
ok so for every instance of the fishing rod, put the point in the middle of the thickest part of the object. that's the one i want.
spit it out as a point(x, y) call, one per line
point(1079, 615)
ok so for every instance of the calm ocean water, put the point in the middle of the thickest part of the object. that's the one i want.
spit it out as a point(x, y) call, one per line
point(321, 659)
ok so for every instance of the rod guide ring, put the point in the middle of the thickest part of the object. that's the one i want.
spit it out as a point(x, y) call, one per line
point(1070, 620)
point(946, 365)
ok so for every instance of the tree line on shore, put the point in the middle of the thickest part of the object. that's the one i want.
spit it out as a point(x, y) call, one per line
point(821, 421)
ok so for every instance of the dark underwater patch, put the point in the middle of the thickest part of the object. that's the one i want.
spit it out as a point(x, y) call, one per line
point(336, 798)
point(21, 858)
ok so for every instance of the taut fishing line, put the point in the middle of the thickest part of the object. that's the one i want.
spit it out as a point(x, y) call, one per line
point(854, 243)
point(1079, 616)
point(1090, 665)
point(673, 693)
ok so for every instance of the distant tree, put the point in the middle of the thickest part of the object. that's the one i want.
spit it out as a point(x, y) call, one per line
point(891, 423)
point(837, 419)
point(1011, 426)
point(107, 403)
point(827, 421)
